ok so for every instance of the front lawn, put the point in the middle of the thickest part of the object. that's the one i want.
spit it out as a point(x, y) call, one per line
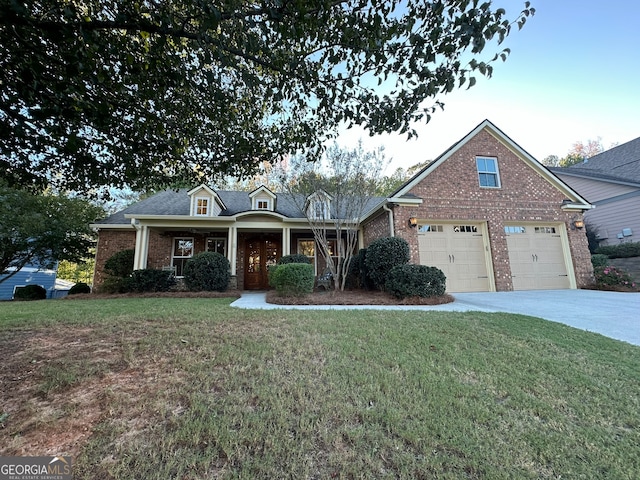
point(191, 388)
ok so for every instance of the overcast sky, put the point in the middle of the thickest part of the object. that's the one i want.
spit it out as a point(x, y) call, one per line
point(573, 74)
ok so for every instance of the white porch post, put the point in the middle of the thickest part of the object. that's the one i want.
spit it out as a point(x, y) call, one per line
point(233, 248)
point(286, 241)
point(142, 245)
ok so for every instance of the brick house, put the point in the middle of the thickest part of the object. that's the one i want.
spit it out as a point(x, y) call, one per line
point(485, 212)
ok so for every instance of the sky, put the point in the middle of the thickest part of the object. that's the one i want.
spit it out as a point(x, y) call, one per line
point(573, 75)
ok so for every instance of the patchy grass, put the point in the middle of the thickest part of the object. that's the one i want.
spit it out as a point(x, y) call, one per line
point(191, 388)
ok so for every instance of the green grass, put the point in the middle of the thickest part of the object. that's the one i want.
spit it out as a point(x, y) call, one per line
point(226, 393)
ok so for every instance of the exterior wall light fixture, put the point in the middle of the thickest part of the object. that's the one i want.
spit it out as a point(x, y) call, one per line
point(413, 222)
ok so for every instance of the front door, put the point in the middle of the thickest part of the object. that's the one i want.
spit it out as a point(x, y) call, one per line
point(260, 253)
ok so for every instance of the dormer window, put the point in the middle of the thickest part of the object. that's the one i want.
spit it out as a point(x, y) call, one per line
point(319, 210)
point(318, 206)
point(263, 199)
point(202, 206)
point(204, 202)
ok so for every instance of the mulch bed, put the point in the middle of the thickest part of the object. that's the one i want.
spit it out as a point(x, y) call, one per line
point(355, 297)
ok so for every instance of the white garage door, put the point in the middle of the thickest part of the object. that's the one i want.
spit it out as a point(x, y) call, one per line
point(457, 250)
point(536, 257)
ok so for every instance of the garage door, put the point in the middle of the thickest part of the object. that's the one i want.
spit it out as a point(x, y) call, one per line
point(536, 257)
point(457, 250)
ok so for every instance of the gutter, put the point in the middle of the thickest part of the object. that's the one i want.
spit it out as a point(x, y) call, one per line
point(391, 229)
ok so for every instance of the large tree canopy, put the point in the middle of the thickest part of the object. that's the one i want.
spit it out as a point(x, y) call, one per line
point(128, 92)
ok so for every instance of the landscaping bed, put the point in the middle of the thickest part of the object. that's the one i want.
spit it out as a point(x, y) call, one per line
point(354, 297)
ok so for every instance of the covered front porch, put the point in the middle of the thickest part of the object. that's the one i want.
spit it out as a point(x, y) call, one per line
point(251, 246)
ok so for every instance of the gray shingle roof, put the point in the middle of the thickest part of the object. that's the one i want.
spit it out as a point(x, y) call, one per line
point(621, 163)
point(176, 202)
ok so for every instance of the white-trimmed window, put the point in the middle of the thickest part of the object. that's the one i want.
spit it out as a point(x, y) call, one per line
point(217, 244)
point(182, 251)
point(514, 229)
point(307, 246)
point(202, 206)
point(319, 209)
point(262, 204)
point(488, 175)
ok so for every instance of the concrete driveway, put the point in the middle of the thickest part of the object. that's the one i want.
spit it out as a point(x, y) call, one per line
point(615, 315)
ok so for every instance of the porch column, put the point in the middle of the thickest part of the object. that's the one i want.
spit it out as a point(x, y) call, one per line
point(142, 246)
point(232, 251)
point(286, 241)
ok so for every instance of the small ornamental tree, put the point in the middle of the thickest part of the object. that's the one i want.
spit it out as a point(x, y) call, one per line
point(384, 254)
point(207, 271)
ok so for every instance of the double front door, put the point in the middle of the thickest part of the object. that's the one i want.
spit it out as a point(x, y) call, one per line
point(261, 252)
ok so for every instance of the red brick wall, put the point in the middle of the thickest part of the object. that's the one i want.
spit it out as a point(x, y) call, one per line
point(375, 228)
point(110, 242)
point(452, 192)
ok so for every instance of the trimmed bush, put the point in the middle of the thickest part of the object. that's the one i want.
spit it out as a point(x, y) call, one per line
point(294, 258)
point(78, 288)
point(357, 276)
point(622, 250)
point(149, 280)
point(599, 260)
point(612, 277)
point(30, 292)
point(207, 271)
point(293, 279)
point(384, 254)
point(120, 264)
point(415, 281)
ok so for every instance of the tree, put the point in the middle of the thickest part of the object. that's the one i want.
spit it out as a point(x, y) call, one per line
point(42, 229)
point(551, 161)
point(117, 93)
point(582, 151)
point(335, 195)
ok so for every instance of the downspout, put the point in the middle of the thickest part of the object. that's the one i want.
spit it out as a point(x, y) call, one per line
point(391, 229)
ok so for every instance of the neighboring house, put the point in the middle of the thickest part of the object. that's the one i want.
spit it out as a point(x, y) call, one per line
point(611, 182)
point(30, 274)
point(485, 212)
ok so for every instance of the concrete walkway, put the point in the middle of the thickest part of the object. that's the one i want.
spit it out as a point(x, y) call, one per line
point(615, 315)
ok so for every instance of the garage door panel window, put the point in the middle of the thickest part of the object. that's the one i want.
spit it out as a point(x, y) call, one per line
point(465, 229)
point(514, 229)
point(545, 230)
point(430, 229)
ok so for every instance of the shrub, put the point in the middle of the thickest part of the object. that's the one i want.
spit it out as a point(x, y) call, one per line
point(30, 292)
point(207, 271)
point(120, 264)
point(149, 280)
point(294, 258)
point(357, 276)
point(599, 260)
point(113, 285)
point(622, 250)
point(293, 279)
point(79, 287)
point(384, 254)
point(612, 277)
point(415, 281)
